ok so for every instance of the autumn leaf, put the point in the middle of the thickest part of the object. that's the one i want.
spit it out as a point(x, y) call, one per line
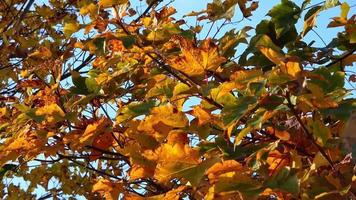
point(154, 103)
point(221, 168)
point(102, 142)
point(109, 3)
point(138, 172)
point(93, 134)
point(283, 135)
point(108, 189)
point(70, 28)
point(310, 19)
point(288, 65)
point(161, 120)
point(196, 61)
point(52, 112)
point(174, 157)
point(202, 115)
point(41, 53)
point(25, 143)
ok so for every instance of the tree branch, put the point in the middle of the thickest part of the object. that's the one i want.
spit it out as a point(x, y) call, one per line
point(347, 54)
point(84, 64)
point(305, 129)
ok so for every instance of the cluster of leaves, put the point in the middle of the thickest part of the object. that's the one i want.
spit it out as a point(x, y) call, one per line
point(94, 98)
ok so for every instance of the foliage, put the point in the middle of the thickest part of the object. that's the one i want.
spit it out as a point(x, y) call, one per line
point(94, 98)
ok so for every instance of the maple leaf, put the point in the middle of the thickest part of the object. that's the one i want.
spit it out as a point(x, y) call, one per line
point(26, 143)
point(203, 111)
point(196, 61)
point(41, 53)
point(110, 190)
point(175, 156)
point(52, 112)
point(288, 65)
point(221, 168)
point(97, 134)
point(103, 142)
point(161, 120)
point(202, 115)
point(138, 172)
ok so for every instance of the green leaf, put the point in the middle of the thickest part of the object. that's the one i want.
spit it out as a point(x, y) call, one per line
point(92, 85)
point(330, 3)
point(97, 46)
point(231, 39)
point(284, 16)
point(239, 182)
point(196, 173)
point(320, 131)
point(128, 41)
point(286, 179)
point(79, 83)
point(70, 28)
point(135, 109)
point(238, 110)
point(330, 80)
point(7, 167)
point(38, 118)
point(219, 10)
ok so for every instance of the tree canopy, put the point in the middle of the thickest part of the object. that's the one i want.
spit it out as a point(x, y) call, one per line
point(100, 99)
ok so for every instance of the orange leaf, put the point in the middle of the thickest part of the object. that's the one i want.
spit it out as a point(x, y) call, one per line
point(93, 130)
point(288, 65)
point(103, 141)
point(175, 156)
point(283, 135)
point(277, 160)
point(222, 168)
point(137, 172)
point(110, 190)
point(202, 115)
point(195, 61)
point(162, 120)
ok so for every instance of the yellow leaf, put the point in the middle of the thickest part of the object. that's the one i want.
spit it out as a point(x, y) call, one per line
point(221, 168)
point(180, 88)
point(110, 190)
point(242, 134)
point(52, 112)
point(175, 193)
point(241, 78)
point(320, 160)
point(310, 23)
point(202, 115)
point(3, 111)
point(195, 61)
point(276, 160)
point(162, 120)
point(137, 172)
point(25, 143)
point(90, 9)
point(175, 156)
point(109, 3)
point(274, 56)
point(70, 28)
point(288, 65)
point(292, 68)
